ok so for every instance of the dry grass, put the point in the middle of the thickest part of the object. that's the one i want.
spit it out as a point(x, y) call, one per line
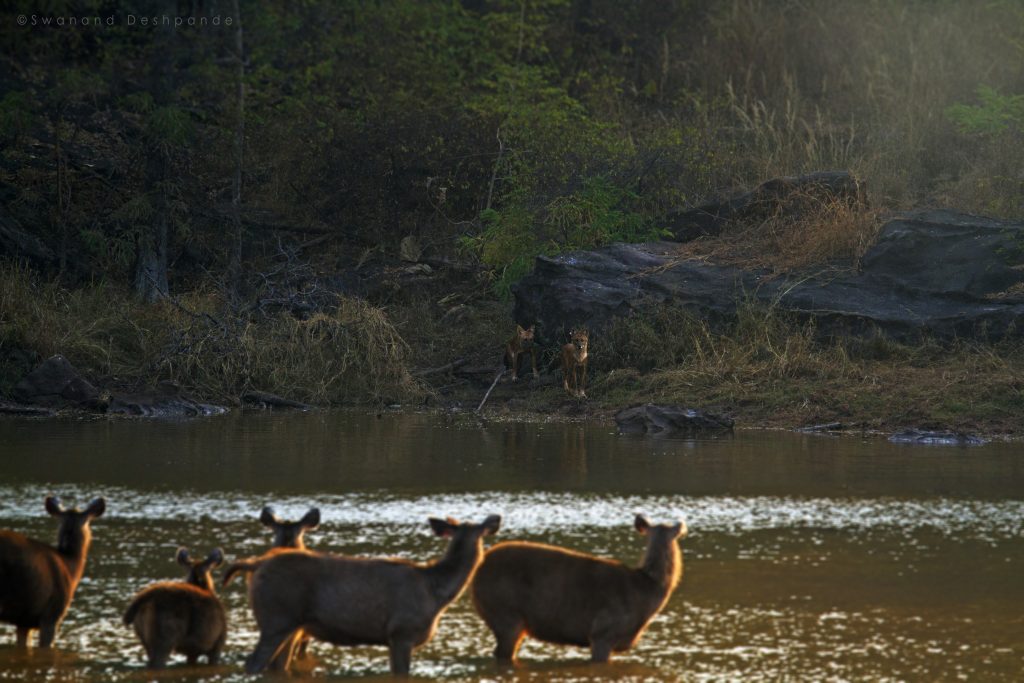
point(352, 354)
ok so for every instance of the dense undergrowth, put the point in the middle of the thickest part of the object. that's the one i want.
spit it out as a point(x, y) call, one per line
point(490, 133)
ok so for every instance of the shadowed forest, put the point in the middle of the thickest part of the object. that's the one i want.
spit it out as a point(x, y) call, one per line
point(324, 200)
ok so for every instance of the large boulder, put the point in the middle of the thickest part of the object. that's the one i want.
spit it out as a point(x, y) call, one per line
point(652, 418)
point(939, 274)
point(788, 195)
point(56, 383)
point(166, 401)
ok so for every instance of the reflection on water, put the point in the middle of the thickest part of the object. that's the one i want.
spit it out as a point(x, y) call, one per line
point(808, 558)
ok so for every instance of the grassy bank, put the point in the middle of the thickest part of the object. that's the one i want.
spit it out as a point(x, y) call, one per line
point(765, 368)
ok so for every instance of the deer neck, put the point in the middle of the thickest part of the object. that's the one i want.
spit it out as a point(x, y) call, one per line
point(664, 564)
point(449, 575)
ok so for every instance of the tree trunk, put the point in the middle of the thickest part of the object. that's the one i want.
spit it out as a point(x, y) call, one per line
point(235, 267)
point(151, 249)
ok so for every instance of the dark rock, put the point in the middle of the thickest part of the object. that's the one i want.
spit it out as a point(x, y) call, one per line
point(935, 438)
point(652, 418)
point(931, 273)
point(779, 196)
point(265, 399)
point(167, 401)
point(56, 383)
point(8, 408)
point(822, 428)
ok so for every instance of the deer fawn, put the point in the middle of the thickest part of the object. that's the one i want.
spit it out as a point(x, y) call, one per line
point(38, 581)
point(360, 601)
point(570, 598)
point(574, 362)
point(181, 616)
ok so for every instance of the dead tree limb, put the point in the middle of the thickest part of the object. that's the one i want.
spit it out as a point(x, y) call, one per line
point(488, 394)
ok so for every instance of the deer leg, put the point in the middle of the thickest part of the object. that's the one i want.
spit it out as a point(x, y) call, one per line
point(400, 654)
point(192, 659)
point(583, 381)
point(22, 634)
point(213, 656)
point(533, 362)
point(286, 652)
point(514, 358)
point(600, 651)
point(47, 632)
point(267, 649)
point(156, 657)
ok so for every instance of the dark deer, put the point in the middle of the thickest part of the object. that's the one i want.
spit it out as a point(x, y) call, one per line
point(37, 581)
point(360, 601)
point(290, 534)
point(574, 362)
point(287, 536)
point(570, 598)
point(181, 616)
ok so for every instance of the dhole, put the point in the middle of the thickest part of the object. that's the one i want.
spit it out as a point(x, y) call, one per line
point(360, 601)
point(574, 362)
point(570, 598)
point(181, 616)
point(520, 343)
point(37, 581)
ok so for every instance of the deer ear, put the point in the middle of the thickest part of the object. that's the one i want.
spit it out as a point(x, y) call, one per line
point(530, 328)
point(96, 508)
point(641, 524)
point(182, 557)
point(492, 524)
point(53, 505)
point(519, 328)
point(267, 516)
point(311, 519)
point(443, 528)
point(216, 558)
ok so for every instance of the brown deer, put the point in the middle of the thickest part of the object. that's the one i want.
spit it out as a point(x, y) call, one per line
point(520, 343)
point(574, 362)
point(38, 581)
point(181, 616)
point(570, 598)
point(287, 536)
point(360, 601)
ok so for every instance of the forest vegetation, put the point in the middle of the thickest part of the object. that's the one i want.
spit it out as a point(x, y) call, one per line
point(322, 199)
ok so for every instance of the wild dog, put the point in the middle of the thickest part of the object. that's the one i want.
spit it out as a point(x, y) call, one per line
point(570, 598)
point(181, 616)
point(574, 362)
point(38, 581)
point(520, 343)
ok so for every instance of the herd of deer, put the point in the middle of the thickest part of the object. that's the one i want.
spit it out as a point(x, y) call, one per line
point(518, 588)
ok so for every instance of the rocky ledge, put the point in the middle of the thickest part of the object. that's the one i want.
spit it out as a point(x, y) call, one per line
point(930, 274)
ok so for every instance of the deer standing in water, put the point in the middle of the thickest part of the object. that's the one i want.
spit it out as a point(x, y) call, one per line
point(287, 536)
point(38, 581)
point(570, 598)
point(181, 616)
point(360, 601)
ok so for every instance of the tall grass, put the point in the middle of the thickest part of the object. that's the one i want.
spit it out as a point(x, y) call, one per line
point(349, 354)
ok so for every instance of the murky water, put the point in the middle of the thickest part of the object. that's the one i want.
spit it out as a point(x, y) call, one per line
point(809, 558)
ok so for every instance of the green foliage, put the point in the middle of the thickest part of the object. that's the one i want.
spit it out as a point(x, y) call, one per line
point(995, 115)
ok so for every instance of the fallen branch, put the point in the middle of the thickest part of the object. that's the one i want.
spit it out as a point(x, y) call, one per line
point(443, 368)
point(488, 394)
point(268, 399)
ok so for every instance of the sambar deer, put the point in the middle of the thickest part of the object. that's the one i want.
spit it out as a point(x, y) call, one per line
point(37, 580)
point(287, 536)
point(574, 362)
point(361, 601)
point(181, 616)
point(569, 598)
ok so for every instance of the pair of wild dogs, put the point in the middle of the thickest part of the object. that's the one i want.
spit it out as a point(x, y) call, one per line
point(575, 356)
point(520, 588)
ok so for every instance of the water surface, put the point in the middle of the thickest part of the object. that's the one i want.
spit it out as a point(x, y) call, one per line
point(809, 557)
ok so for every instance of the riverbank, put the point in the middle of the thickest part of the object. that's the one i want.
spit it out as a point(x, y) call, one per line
point(764, 369)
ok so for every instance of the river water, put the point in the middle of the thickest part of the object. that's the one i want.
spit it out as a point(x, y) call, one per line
point(809, 557)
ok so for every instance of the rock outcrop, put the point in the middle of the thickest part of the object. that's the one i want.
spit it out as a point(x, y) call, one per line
point(652, 418)
point(936, 274)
